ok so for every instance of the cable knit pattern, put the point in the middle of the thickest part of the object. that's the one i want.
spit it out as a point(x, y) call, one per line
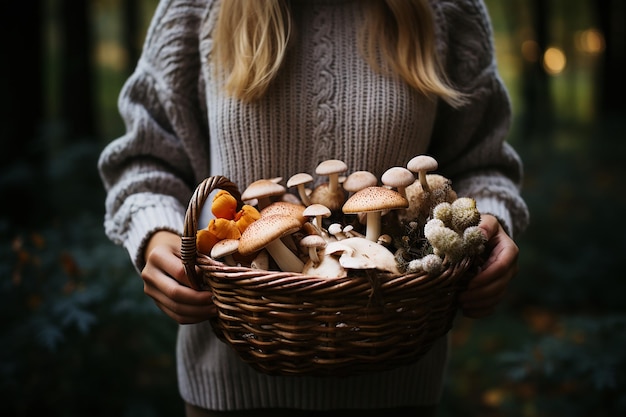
point(326, 103)
point(323, 88)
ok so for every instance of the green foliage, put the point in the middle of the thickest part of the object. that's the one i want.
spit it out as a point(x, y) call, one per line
point(579, 371)
point(78, 336)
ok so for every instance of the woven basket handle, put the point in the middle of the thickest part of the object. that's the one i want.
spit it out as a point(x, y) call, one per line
point(188, 248)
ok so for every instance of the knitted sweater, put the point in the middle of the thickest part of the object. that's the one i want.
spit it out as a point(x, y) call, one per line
point(326, 103)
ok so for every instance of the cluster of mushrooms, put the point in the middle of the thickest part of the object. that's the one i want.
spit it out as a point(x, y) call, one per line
point(409, 221)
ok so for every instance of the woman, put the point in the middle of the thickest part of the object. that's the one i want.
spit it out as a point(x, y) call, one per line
point(261, 89)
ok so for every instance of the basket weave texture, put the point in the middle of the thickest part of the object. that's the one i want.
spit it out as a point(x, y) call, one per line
point(285, 323)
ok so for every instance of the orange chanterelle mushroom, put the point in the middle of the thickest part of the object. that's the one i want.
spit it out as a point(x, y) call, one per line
point(228, 222)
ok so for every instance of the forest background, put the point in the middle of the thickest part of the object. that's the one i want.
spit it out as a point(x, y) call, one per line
point(79, 338)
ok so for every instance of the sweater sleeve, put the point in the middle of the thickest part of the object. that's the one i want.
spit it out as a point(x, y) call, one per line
point(149, 173)
point(469, 141)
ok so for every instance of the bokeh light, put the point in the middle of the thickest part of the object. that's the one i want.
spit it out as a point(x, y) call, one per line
point(554, 60)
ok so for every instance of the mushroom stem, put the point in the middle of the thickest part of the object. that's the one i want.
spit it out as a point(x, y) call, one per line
point(333, 183)
point(373, 226)
point(303, 195)
point(424, 181)
point(313, 255)
point(285, 259)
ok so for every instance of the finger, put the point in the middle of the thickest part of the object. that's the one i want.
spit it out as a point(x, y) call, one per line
point(158, 284)
point(188, 317)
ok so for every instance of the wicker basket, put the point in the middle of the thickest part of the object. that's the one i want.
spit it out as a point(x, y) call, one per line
point(292, 324)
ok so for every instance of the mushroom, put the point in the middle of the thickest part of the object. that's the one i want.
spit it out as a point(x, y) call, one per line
point(225, 249)
point(285, 208)
point(218, 229)
point(422, 164)
point(312, 243)
point(330, 194)
point(336, 230)
point(328, 267)
point(316, 212)
point(266, 233)
point(359, 180)
point(372, 201)
point(361, 253)
point(224, 205)
point(299, 181)
point(246, 216)
point(261, 261)
point(332, 168)
point(350, 232)
point(428, 191)
point(262, 190)
point(384, 240)
point(398, 178)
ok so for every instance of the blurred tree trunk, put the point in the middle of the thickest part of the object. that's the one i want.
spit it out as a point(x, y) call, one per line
point(21, 110)
point(77, 70)
point(612, 21)
point(131, 32)
point(536, 112)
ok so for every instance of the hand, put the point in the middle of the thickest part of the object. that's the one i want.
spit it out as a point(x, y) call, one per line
point(487, 288)
point(166, 282)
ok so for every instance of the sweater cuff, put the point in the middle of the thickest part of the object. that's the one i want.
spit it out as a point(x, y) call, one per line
point(497, 208)
point(144, 224)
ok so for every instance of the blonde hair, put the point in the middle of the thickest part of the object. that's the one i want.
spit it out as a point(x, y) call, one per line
point(252, 37)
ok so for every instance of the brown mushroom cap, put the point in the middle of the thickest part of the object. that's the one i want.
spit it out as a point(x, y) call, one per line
point(285, 208)
point(265, 230)
point(374, 199)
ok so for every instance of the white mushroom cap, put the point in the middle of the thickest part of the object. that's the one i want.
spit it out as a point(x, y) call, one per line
point(262, 190)
point(360, 253)
point(224, 249)
point(398, 178)
point(359, 180)
point(312, 243)
point(328, 267)
point(317, 211)
point(374, 200)
point(336, 229)
point(266, 233)
point(300, 180)
point(331, 168)
point(422, 164)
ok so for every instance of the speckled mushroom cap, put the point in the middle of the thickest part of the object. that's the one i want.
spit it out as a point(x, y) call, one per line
point(285, 208)
point(265, 230)
point(374, 199)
